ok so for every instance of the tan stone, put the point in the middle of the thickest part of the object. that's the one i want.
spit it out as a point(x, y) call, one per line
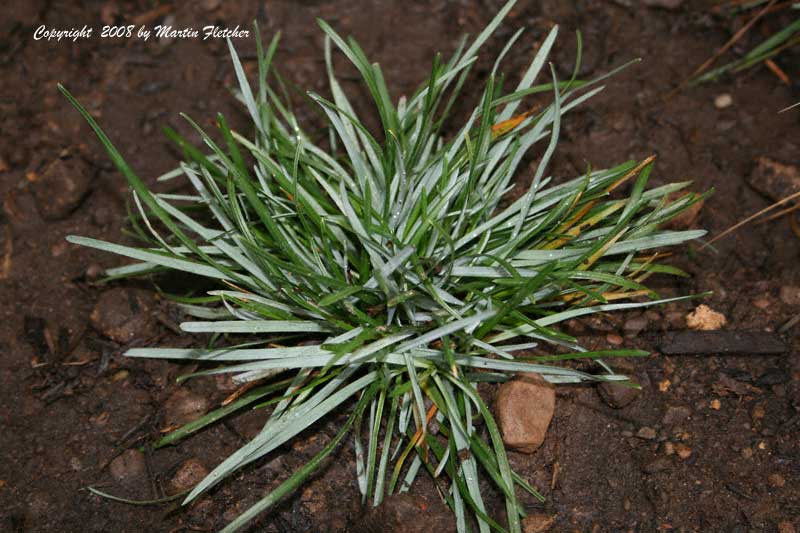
point(524, 407)
point(189, 474)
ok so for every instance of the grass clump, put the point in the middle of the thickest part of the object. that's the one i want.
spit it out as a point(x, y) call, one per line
point(396, 252)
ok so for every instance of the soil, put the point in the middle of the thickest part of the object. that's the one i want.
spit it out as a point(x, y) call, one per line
point(710, 443)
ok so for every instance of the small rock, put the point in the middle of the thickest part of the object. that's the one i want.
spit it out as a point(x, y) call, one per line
point(675, 414)
point(657, 465)
point(776, 480)
point(790, 295)
point(537, 523)
point(669, 448)
point(189, 474)
point(94, 272)
point(61, 188)
point(614, 339)
point(775, 180)
point(183, 407)
point(646, 432)
point(683, 450)
point(635, 325)
point(75, 464)
point(128, 466)
point(616, 395)
point(123, 314)
point(102, 216)
point(675, 320)
point(723, 100)
point(524, 407)
point(704, 318)
point(715, 404)
point(762, 302)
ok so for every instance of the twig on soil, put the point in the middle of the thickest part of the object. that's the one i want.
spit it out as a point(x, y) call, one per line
point(724, 48)
point(750, 219)
point(790, 324)
point(778, 71)
point(5, 266)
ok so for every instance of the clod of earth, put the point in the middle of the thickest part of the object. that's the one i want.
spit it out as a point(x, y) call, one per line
point(189, 474)
point(538, 523)
point(774, 179)
point(790, 294)
point(616, 395)
point(128, 466)
point(704, 318)
point(183, 407)
point(676, 414)
point(61, 188)
point(524, 407)
point(122, 314)
point(646, 433)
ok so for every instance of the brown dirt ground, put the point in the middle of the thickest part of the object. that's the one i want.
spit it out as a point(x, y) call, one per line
point(70, 403)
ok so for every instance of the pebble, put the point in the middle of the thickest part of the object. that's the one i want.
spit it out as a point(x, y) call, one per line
point(102, 217)
point(537, 523)
point(776, 480)
point(61, 188)
point(675, 320)
point(790, 295)
point(683, 450)
point(123, 314)
point(675, 414)
point(723, 100)
point(614, 339)
point(762, 302)
point(617, 396)
point(524, 407)
point(183, 407)
point(634, 326)
point(669, 448)
point(94, 272)
point(189, 474)
point(705, 319)
point(128, 465)
point(646, 432)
